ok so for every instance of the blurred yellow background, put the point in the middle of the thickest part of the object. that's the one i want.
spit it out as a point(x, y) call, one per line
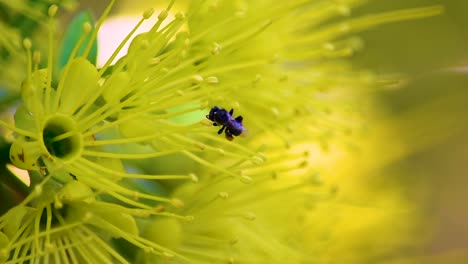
point(429, 111)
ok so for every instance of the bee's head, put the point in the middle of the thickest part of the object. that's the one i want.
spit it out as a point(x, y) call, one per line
point(213, 112)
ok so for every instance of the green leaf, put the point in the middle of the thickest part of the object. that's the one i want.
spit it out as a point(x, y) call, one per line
point(72, 36)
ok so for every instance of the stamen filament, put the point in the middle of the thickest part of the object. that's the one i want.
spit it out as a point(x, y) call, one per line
point(140, 139)
point(60, 87)
point(96, 166)
point(108, 249)
point(128, 155)
point(97, 27)
point(20, 131)
point(121, 45)
point(50, 57)
point(208, 164)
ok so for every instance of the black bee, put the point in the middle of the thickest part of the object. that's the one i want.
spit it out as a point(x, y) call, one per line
point(231, 126)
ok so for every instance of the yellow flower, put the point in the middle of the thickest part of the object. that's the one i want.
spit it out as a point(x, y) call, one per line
point(96, 139)
point(61, 226)
point(20, 19)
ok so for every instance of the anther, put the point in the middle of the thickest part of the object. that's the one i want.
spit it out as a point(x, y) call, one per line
point(148, 13)
point(262, 155)
point(154, 61)
point(246, 179)
point(223, 195)
point(221, 151)
point(250, 216)
point(216, 49)
point(197, 79)
point(200, 145)
point(36, 57)
point(177, 203)
point(159, 209)
point(27, 43)
point(87, 27)
point(193, 178)
point(257, 160)
point(212, 80)
point(162, 15)
point(52, 10)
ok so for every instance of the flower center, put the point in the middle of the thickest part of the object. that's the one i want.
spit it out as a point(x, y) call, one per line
point(61, 138)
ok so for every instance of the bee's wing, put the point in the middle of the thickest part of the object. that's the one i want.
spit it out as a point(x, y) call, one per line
point(244, 133)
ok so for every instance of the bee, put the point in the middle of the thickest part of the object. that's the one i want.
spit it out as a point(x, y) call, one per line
point(231, 126)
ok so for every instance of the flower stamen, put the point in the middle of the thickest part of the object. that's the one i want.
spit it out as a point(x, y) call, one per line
point(50, 58)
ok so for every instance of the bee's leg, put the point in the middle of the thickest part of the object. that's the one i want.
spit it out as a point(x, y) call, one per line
point(228, 135)
point(215, 124)
point(231, 111)
point(239, 119)
point(221, 130)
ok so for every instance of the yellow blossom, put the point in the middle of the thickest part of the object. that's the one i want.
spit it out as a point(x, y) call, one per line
point(96, 140)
